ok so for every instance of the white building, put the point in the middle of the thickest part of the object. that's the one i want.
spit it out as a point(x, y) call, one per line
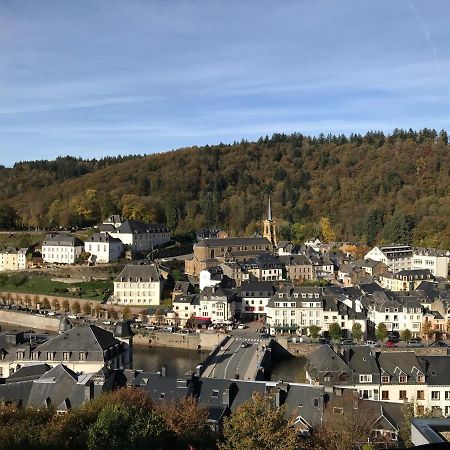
point(396, 312)
point(136, 235)
point(103, 248)
point(429, 258)
point(210, 277)
point(255, 298)
point(61, 248)
point(404, 257)
point(138, 285)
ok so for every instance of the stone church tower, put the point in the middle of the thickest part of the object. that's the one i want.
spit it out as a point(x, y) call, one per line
point(270, 230)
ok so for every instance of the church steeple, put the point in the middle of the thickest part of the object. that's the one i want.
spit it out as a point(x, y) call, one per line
point(269, 211)
point(269, 230)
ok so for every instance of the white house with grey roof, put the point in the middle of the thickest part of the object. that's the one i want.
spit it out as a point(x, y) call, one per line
point(136, 235)
point(61, 248)
point(138, 285)
point(103, 248)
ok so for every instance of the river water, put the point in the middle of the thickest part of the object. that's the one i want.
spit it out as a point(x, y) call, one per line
point(180, 361)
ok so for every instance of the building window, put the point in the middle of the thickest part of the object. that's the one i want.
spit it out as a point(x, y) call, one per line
point(402, 395)
point(66, 356)
point(447, 395)
point(50, 356)
point(365, 378)
point(83, 356)
point(385, 378)
point(327, 378)
point(435, 395)
point(384, 395)
point(420, 395)
point(402, 379)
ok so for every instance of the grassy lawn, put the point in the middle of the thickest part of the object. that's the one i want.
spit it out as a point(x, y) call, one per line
point(91, 290)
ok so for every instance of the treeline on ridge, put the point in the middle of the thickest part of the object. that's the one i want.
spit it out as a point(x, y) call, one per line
point(371, 187)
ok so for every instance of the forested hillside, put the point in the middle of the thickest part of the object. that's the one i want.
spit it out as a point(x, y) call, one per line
point(372, 188)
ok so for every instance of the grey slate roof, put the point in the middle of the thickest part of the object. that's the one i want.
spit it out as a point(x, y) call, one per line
point(103, 238)
point(138, 227)
point(88, 338)
point(62, 239)
point(139, 273)
point(227, 242)
point(437, 370)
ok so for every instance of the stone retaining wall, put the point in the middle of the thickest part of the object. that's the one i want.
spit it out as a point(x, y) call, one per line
point(193, 341)
point(29, 320)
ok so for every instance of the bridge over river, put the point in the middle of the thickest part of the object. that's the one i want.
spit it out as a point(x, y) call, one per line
point(239, 358)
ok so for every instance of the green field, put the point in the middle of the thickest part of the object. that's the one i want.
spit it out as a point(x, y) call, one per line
point(91, 290)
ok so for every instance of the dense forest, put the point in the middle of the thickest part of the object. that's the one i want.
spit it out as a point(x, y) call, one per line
point(371, 187)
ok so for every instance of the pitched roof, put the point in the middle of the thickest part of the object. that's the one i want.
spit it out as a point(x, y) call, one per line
point(230, 242)
point(62, 239)
point(139, 273)
point(136, 226)
point(88, 338)
point(102, 238)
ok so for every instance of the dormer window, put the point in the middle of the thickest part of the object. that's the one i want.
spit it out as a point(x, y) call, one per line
point(215, 393)
point(420, 378)
point(50, 356)
point(280, 295)
point(402, 379)
point(385, 378)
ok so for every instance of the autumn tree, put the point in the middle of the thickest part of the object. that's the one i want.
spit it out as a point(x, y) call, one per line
point(45, 303)
point(87, 309)
point(259, 424)
point(76, 308)
point(327, 231)
point(345, 424)
point(405, 335)
point(55, 303)
point(65, 305)
point(126, 312)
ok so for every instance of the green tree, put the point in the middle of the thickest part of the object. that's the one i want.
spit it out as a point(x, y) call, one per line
point(382, 332)
point(121, 426)
point(335, 331)
point(259, 424)
point(399, 228)
point(357, 332)
point(405, 335)
point(314, 331)
point(373, 224)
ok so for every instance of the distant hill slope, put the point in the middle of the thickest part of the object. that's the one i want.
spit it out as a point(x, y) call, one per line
point(371, 187)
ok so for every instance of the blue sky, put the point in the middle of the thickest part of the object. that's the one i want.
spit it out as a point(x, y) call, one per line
point(108, 77)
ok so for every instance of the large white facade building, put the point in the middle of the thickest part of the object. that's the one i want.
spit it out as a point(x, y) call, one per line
point(103, 248)
point(61, 248)
point(136, 235)
point(404, 257)
point(138, 285)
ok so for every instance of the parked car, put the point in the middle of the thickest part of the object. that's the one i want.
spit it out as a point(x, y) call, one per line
point(242, 326)
point(438, 344)
point(151, 327)
point(105, 322)
point(390, 344)
point(414, 343)
point(73, 316)
point(245, 344)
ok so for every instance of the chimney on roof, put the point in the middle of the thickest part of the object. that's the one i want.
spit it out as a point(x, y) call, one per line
point(226, 397)
point(89, 391)
point(164, 370)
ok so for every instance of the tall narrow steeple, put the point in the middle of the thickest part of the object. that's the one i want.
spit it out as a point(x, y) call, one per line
point(269, 211)
point(269, 227)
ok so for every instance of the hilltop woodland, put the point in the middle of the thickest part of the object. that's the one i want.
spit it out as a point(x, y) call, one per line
point(372, 188)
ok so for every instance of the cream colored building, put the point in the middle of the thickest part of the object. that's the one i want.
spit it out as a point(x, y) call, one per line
point(404, 280)
point(13, 259)
point(138, 285)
